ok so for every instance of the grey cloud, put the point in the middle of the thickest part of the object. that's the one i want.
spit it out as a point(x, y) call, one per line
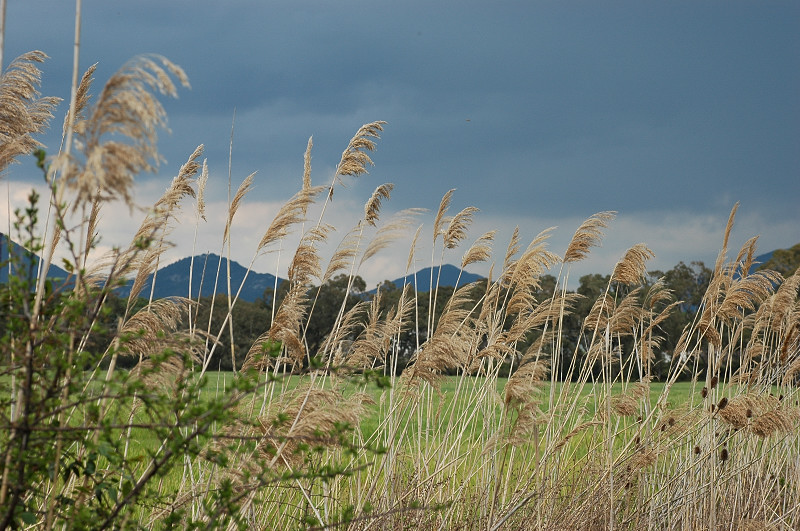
point(546, 107)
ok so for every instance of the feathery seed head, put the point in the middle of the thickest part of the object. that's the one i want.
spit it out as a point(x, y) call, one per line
point(126, 110)
point(354, 158)
point(201, 190)
point(242, 191)
point(457, 227)
point(587, 236)
point(307, 163)
point(480, 251)
point(373, 206)
point(631, 269)
point(24, 112)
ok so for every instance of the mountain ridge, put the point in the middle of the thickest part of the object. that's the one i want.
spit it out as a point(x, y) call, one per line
point(9, 247)
point(173, 279)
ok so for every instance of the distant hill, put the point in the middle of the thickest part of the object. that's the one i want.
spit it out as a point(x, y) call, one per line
point(173, 280)
point(784, 261)
point(27, 259)
point(449, 277)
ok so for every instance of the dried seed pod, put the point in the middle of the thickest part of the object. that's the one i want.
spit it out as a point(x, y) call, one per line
point(704, 392)
point(696, 450)
point(714, 382)
point(723, 455)
point(723, 402)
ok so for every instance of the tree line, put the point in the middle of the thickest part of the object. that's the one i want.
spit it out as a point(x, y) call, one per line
point(687, 283)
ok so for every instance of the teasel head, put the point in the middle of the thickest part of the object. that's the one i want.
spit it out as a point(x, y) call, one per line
point(714, 381)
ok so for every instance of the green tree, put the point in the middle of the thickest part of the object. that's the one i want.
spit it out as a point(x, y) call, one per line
point(330, 301)
point(250, 319)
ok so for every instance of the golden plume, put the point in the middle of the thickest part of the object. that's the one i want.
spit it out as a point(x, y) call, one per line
point(24, 112)
point(587, 236)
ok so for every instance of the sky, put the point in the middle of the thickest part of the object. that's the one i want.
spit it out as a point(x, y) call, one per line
point(539, 113)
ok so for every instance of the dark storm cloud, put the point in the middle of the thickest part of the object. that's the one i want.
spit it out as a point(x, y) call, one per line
point(561, 108)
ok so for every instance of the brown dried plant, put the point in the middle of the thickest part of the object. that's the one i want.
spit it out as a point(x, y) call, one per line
point(395, 228)
point(511, 250)
point(440, 220)
point(588, 235)
point(286, 328)
point(631, 269)
point(125, 109)
point(373, 205)
point(355, 159)
point(82, 98)
point(153, 331)
point(480, 251)
point(450, 344)
point(372, 345)
point(149, 242)
point(345, 253)
point(746, 294)
point(521, 393)
point(307, 164)
point(238, 197)
point(201, 191)
point(338, 345)
point(292, 212)
point(526, 271)
point(724, 250)
point(746, 257)
point(457, 227)
point(291, 315)
point(22, 112)
point(306, 416)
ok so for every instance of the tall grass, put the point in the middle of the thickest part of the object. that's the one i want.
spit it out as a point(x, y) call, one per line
point(594, 450)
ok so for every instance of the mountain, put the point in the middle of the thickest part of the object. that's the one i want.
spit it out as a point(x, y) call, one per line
point(27, 259)
point(173, 280)
point(784, 261)
point(759, 261)
point(449, 277)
